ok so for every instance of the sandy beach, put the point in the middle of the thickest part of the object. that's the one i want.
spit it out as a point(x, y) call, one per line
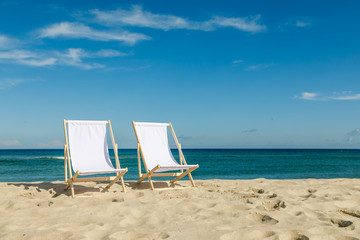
point(215, 209)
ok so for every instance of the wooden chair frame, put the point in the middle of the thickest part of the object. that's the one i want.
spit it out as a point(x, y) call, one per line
point(73, 178)
point(151, 173)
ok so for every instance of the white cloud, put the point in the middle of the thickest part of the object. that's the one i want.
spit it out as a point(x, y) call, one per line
point(70, 57)
point(109, 53)
point(26, 57)
point(7, 42)
point(51, 144)
point(354, 132)
point(140, 18)
point(343, 96)
point(10, 143)
point(259, 66)
point(250, 131)
point(75, 56)
point(137, 17)
point(243, 24)
point(347, 97)
point(237, 61)
point(309, 96)
point(79, 30)
point(38, 62)
point(353, 135)
point(300, 23)
point(8, 83)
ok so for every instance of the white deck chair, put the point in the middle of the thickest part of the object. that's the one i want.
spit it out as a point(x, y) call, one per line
point(88, 150)
point(153, 147)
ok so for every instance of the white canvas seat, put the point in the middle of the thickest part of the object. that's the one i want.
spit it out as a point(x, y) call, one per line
point(153, 147)
point(86, 150)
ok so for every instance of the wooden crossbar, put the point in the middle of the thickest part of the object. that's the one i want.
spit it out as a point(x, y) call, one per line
point(187, 172)
point(165, 174)
point(148, 175)
point(117, 178)
point(94, 179)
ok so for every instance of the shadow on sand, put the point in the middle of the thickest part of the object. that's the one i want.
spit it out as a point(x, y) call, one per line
point(58, 188)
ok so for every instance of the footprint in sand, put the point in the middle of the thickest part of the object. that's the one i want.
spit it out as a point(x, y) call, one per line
point(136, 194)
point(256, 234)
point(28, 195)
point(120, 199)
point(49, 203)
point(274, 195)
point(292, 236)
point(300, 213)
point(274, 205)
point(266, 219)
point(353, 213)
point(343, 223)
point(137, 235)
point(310, 195)
point(256, 190)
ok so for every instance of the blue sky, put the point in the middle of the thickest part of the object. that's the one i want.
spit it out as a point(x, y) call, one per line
point(227, 74)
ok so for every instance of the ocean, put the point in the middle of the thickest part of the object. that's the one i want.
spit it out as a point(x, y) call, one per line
point(48, 165)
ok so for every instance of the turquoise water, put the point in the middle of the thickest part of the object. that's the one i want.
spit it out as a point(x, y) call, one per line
point(48, 165)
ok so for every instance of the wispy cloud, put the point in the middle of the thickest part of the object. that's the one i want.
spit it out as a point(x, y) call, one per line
point(51, 144)
point(343, 96)
point(75, 56)
point(250, 130)
point(25, 57)
point(261, 66)
point(347, 97)
point(137, 68)
point(8, 83)
point(309, 96)
point(106, 53)
point(8, 42)
point(10, 143)
point(353, 135)
point(81, 31)
point(185, 137)
point(70, 57)
point(237, 61)
point(136, 16)
point(244, 24)
point(300, 23)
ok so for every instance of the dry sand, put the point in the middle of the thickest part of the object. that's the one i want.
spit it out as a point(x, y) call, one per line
point(215, 209)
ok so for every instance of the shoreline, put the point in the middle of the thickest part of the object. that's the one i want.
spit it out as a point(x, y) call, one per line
point(214, 209)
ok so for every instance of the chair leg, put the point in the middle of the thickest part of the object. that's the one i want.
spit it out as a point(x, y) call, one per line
point(148, 175)
point(184, 174)
point(151, 184)
point(71, 180)
point(143, 177)
point(120, 176)
point(72, 188)
point(113, 181)
point(67, 185)
point(191, 180)
point(122, 184)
